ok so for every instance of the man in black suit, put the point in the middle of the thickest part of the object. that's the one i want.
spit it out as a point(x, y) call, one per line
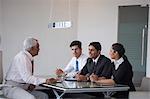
point(98, 66)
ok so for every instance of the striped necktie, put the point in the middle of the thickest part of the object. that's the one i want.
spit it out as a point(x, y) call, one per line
point(77, 65)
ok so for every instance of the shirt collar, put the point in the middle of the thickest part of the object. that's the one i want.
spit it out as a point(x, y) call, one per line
point(28, 54)
point(118, 62)
point(95, 60)
point(79, 57)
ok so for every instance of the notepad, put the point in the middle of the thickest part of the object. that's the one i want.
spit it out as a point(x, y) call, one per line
point(70, 79)
point(106, 85)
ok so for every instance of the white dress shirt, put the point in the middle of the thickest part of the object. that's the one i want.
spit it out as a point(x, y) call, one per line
point(118, 62)
point(71, 67)
point(95, 60)
point(21, 70)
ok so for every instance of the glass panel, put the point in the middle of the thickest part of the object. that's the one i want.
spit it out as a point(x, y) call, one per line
point(132, 21)
point(80, 85)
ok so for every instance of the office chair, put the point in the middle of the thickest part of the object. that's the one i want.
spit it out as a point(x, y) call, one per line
point(1, 77)
point(145, 85)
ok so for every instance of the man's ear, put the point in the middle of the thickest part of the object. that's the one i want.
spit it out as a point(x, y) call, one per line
point(31, 50)
point(99, 51)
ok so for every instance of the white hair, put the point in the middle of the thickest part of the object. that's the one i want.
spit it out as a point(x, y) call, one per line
point(29, 43)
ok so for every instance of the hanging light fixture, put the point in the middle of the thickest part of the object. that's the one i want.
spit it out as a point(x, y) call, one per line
point(60, 24)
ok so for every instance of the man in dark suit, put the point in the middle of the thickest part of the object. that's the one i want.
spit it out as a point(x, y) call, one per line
point(98, 66)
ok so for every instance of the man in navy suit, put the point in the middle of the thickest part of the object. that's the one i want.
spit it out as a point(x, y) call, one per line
point(97, 65)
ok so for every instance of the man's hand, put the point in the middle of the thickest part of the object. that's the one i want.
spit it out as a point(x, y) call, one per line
point(101, 78)
point(93, 78)
point(51, 81)
point(59, 72)
point(81, 77)
point(31, 87)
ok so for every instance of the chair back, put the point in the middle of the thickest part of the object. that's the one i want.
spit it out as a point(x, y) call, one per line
point(1, 68)
point(1, 77)
point(145, 85)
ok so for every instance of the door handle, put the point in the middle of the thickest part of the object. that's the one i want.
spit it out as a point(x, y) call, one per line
point(143, 40)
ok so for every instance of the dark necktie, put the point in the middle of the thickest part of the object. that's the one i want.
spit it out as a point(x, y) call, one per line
point(32, 66)
point(31, 86)
point(77, 65)
point(94, 67)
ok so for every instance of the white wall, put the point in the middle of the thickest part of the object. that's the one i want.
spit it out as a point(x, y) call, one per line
point(23, 18)
point(148, 49)
point(1, 69)
point(98, 19)
point(0, 23)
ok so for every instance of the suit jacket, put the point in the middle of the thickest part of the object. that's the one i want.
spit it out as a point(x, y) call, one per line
point(124, 74)
point(103, 67)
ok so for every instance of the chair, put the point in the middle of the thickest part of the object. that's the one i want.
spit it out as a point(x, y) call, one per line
point(1, 69)
point(142, 92)
point(1, 77)
point(145, 84)
point(139, 95)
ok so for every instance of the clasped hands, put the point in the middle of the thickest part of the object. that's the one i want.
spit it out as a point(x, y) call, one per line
point(92, 77)
point(59, 73)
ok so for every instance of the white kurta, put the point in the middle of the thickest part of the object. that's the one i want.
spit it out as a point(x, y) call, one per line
point(21, 70)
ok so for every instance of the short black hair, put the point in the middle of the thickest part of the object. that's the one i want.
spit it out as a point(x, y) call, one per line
point(119, 48)
point(76, 42)
point(97, 45)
